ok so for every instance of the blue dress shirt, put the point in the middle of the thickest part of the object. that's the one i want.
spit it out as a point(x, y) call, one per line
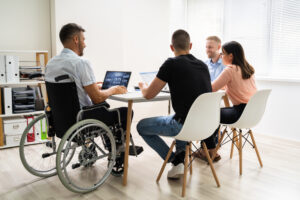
point(215, 69)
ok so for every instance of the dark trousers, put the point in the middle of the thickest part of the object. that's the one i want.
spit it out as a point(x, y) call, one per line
point(107, 117)
point(229, 115)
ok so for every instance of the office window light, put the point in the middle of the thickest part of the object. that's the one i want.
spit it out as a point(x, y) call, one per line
point(269, 31)
point(285, 38)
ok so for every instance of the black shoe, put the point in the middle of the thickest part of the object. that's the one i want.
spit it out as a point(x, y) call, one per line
point(178, 158)
point(139, 150)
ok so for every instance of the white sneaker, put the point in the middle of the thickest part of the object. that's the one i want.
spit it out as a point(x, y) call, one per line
point(176, 171)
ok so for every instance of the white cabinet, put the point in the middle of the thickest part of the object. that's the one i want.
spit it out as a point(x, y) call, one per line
point(13, 129)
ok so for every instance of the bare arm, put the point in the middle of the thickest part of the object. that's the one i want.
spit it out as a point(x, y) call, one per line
point(153, 89)
point(98, 96)
point(222, 80)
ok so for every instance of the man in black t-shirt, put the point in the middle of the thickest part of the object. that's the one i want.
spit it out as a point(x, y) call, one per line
point(188, 78)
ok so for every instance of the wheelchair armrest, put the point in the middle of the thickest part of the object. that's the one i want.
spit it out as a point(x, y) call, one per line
point(100, 105)
point(105, 104)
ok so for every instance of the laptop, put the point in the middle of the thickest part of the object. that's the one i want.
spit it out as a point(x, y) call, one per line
point(113, 78)
point(148, 77)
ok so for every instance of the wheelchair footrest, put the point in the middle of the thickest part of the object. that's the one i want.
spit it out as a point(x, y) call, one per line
point(139, 150)
point(76, 165)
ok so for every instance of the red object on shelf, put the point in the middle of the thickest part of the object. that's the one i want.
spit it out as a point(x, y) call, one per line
point(30, 134)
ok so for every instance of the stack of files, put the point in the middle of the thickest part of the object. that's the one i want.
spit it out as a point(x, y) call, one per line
point(30, 72)
point(23, 100)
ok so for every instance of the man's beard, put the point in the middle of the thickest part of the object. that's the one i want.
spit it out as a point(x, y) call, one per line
point(80, 48)
point(212, 55)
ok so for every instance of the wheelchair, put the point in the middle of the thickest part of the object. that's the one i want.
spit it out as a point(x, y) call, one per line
point(82, 152)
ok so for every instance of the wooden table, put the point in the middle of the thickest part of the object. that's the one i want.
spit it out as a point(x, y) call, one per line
point(130, 98)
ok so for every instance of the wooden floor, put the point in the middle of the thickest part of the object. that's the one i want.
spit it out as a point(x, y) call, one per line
point(278, 179)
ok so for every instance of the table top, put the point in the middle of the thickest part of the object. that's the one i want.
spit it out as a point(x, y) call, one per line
point(138, 97)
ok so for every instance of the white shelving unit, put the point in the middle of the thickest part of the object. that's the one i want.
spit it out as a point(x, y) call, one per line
point(22, 84)
point(22, 114)
point(27, 143)
point(38, 83)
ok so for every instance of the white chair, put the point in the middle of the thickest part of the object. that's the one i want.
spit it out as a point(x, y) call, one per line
point(250, 117)
point(201, 122)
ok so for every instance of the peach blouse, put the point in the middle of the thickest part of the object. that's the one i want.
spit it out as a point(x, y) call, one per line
point(239, 90)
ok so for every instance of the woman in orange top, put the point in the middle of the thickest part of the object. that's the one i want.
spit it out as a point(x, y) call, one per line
point(238, 81)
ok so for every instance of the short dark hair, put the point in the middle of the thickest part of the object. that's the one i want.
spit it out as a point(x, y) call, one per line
point(181, 40)
point(68, 31)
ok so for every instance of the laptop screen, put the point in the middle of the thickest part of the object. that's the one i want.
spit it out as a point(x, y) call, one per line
point(113, 78)
point(148, 77)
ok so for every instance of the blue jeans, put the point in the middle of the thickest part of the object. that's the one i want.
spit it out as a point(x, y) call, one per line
point(151, 128)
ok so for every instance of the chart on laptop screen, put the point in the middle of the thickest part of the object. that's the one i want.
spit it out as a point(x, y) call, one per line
point(113, 78)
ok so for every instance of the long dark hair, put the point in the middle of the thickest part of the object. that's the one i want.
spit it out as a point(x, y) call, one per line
point(239, 59)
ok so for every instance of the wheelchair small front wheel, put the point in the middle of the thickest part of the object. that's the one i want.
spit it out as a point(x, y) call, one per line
point(95, 154)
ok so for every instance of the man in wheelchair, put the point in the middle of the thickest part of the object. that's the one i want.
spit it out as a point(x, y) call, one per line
point(70, 66)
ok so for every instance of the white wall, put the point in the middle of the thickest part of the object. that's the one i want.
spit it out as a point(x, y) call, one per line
point(281, 118)
point(25, 25)
point(103, 25)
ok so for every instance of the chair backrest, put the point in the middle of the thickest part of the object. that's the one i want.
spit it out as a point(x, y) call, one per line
point(64, 104)
point(253, 111)
point(203, 117)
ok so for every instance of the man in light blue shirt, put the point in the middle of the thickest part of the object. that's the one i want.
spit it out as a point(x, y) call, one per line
point(70, 62)
point(214, 63)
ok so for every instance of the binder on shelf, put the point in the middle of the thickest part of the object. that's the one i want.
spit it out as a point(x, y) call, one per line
point(43, 127)
point(37, 130)
point(7, 101)
point(30, 134)
point(2, 69)
point(12, 69)
point(41, 130)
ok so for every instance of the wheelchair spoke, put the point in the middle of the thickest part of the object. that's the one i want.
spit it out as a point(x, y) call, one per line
point(93, 160)
point(98, 147)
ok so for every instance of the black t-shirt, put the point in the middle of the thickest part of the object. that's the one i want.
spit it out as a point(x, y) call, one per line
point(188, 78)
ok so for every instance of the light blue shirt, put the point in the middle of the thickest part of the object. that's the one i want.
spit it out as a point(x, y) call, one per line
point(68, 62)
point(215, 69)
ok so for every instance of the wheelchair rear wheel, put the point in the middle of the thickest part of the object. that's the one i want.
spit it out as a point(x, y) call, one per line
point(93, 160)
point(39, 158)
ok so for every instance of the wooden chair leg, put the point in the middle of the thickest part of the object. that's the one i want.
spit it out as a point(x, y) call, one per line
point(241, 152)
point(219, 134)
point(255, 147)
point(210, 163)
point(165, 162)
point(237, 140)
point(218, 145)
point(234, 139)
point(190, 158)
point(187, 150)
